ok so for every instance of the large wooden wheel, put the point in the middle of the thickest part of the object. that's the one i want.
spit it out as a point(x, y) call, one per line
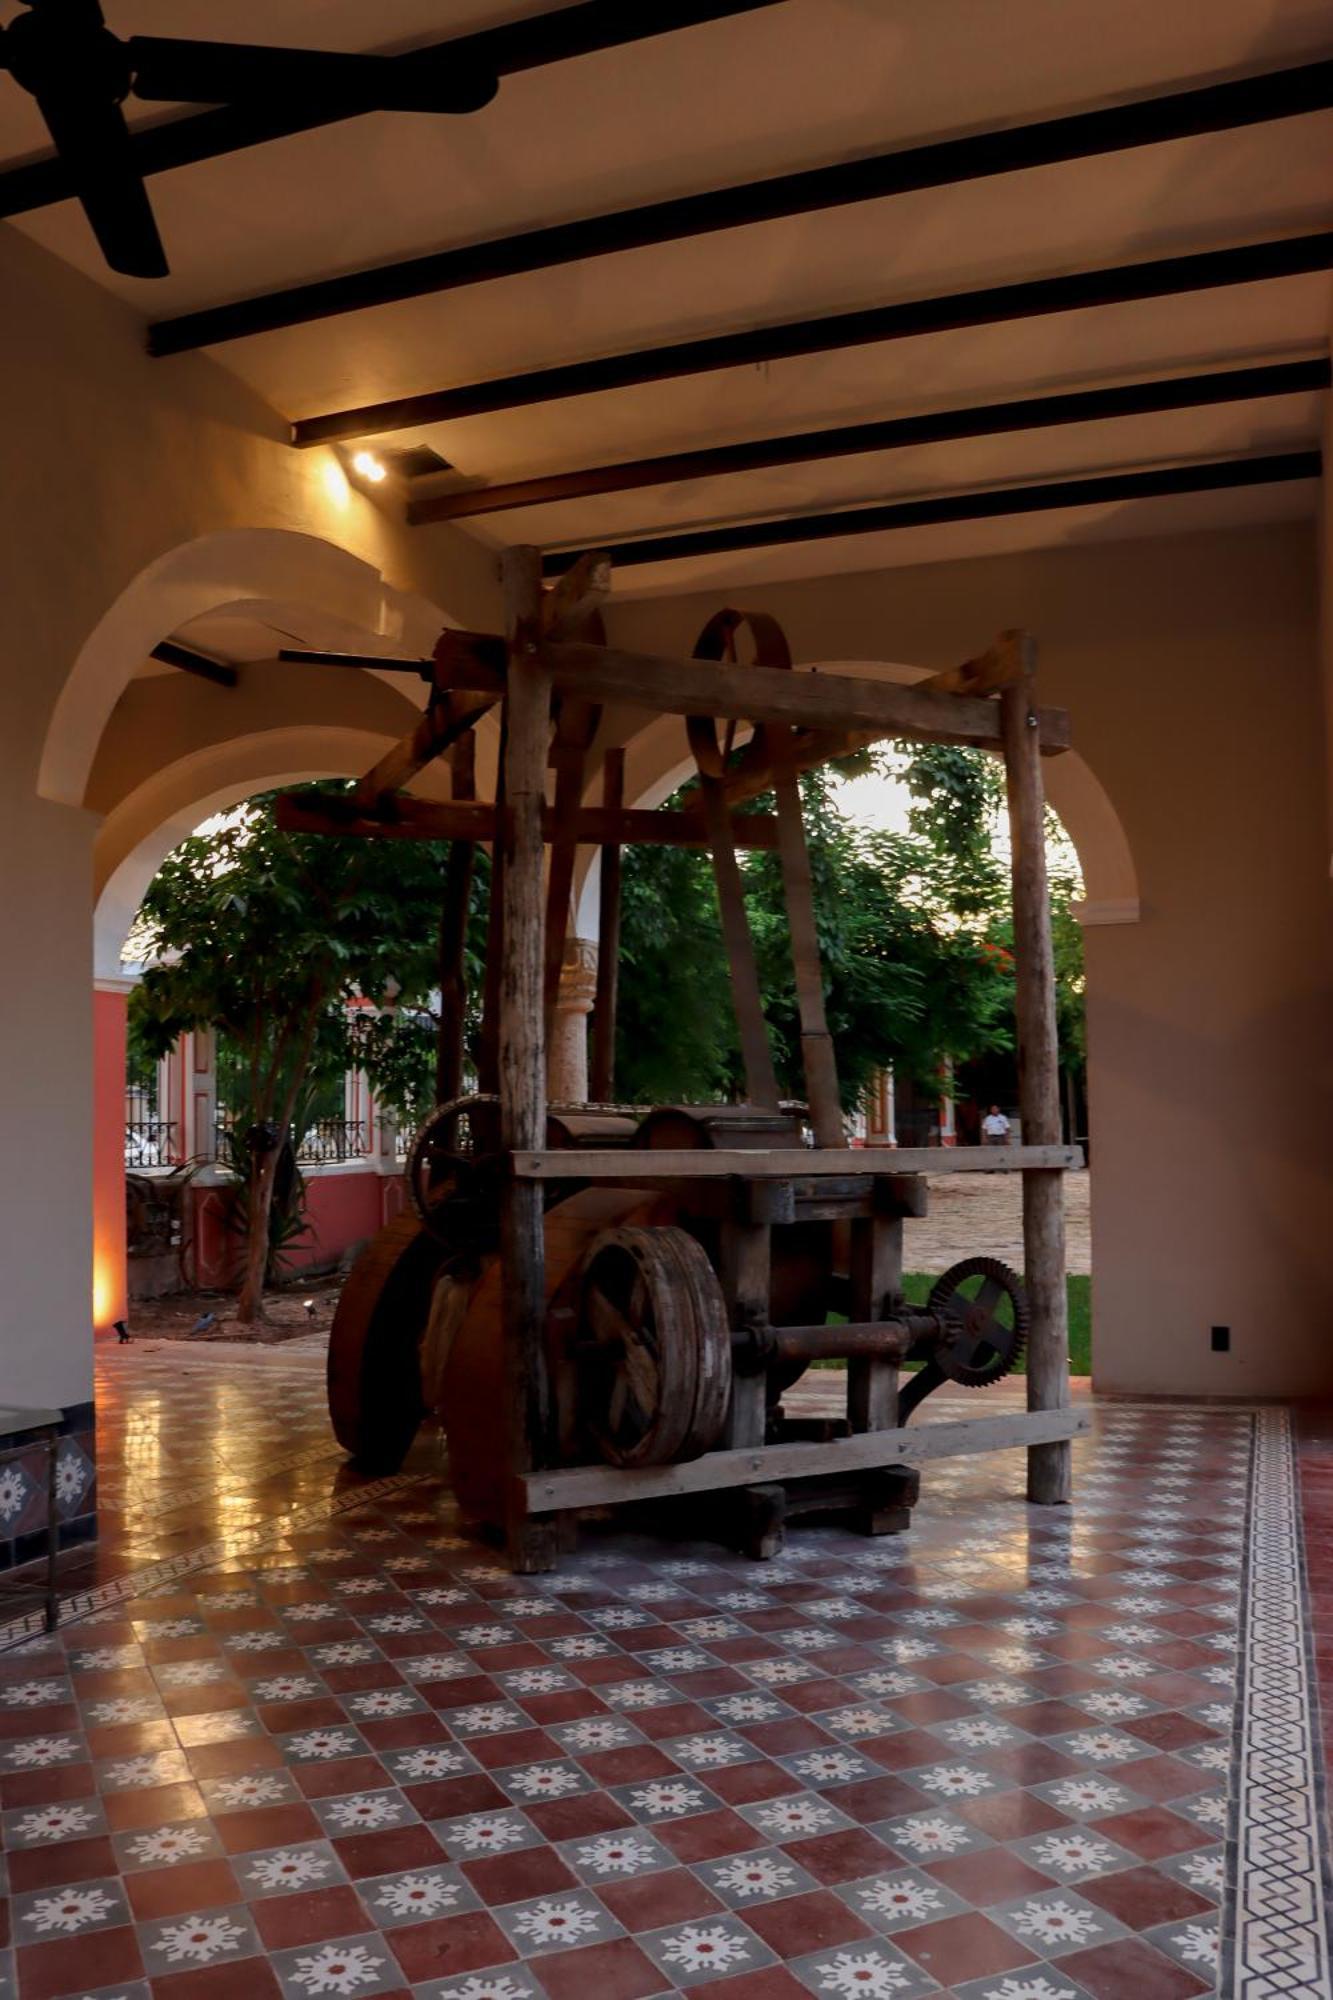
point(374, 1367)
point(654, 1363)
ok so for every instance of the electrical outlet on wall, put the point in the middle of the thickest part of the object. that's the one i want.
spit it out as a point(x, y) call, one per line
point(1221, 1340)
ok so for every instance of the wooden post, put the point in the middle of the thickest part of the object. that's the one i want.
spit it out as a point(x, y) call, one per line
point(1049, 1465)
point(602, 1083)
point(488, 1041)
point(817, 1058)
point(876, 1280)
point(454, 910)
point(746, 1265)
point(528, 1405)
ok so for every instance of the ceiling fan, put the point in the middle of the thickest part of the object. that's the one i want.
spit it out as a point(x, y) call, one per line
point(80, 73)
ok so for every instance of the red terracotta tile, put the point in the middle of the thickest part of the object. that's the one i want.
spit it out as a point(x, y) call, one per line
point(403, 1732)
point(566, 1705)
point(174, 1892)
point(1131, 1970)
point(242, 1979)
point(47, 1788)
point(957, 1949)
point(811, 1697)
point(452, 1945)
point(1160, 1778)
point(1031, 1764)
point(673, 1896)
point(266, 1826)
point(744, 1784)
point(514, 1746)
point(159, 1805)
point(707, 1836)
point(1010, 1815)
point(636, 1764)
point(772, 1982)
point(989, 1875)
point(577, 1819)
point(869, 1799)
point(680, 1718)
point(73, 1965)
point(785, 1738)
point(233, 1760)
point(396, 1848)
point(615, 1971)
point(811, 1922)
point(1151, 1831)
point(450, 1798)
point(56, 1867)
point(509, 1878)
point(340, 1776)
point(1143, 1897)
point(841, 1857)
point(1168, 1731)
point(310, 1917)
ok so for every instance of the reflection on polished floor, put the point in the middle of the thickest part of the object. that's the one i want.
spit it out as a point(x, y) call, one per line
point(309, 1738)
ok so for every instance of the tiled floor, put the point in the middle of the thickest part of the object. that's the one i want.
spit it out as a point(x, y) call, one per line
point(343, 1752)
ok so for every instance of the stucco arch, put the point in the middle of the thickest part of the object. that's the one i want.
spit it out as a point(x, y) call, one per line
point(136, 837)
point(201, 576)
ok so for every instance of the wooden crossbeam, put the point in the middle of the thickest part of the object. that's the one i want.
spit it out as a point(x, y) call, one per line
point(788, 1163)
point(914, 1444)
point(829, 702)
point(454, 819)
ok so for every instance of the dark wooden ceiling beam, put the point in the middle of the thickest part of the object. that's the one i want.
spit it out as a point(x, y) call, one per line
point(1160, 277)
point(1156, 482)
point(1149, 121)
point(556, 37)
point(202, 665)
point(1129, 399)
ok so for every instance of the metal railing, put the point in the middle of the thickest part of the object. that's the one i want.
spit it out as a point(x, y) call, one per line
point(327, 1142)
point(150, 1142)
point(332, 1139)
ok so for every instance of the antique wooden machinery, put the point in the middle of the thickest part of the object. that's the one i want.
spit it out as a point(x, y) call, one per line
point(606, 1306)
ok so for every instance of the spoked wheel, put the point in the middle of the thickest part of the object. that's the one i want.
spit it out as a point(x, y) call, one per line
point(655, 1359)
point(984, 1313)
point(982, 1310)
point(443, 1160)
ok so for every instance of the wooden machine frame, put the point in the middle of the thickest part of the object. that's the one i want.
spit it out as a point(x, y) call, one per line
point(550, 657)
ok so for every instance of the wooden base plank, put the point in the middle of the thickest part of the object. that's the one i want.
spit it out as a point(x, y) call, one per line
point(787, 1163)
point(606, 1485)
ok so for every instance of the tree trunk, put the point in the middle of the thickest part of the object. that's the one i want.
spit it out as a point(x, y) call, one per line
point(258, 1202)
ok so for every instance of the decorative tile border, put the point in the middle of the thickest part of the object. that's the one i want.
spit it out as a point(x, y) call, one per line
point(1276, 1917)
point(160, 1577)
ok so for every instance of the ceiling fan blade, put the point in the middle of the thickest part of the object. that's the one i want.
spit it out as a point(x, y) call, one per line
point(246, 73)
point(93, 140)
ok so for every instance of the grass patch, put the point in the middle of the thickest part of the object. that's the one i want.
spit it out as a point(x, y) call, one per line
point(917, 1284)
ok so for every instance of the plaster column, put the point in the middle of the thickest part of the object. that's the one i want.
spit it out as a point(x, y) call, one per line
point(948, 1130)
point(111, 998)
point(199, 1103)
point(567, 1057)
point(46, 1098)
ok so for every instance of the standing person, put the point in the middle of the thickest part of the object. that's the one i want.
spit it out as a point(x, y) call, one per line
point(995, 1127)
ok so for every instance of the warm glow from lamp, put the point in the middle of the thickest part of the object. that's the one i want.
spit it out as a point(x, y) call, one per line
point(105, 1301)
point(368, 467)
point(335, 481)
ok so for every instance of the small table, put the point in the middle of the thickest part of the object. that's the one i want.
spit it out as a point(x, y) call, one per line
point(41, 1427)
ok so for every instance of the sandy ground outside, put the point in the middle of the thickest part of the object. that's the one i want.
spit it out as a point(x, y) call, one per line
point(981, 1215)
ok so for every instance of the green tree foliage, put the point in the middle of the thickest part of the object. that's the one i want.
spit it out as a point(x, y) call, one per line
point(914, 933)
point(267, 937)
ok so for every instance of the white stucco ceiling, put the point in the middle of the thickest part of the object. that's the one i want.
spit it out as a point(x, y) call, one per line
point(800, 84)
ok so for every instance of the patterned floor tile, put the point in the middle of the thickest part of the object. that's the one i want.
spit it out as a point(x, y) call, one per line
point(929, 1763)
